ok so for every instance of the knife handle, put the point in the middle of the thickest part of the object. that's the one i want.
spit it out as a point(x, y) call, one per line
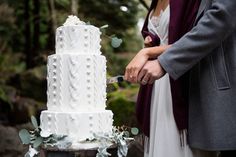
point(120, 78)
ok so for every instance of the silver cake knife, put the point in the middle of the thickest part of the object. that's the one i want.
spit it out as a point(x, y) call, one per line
point(115, 79)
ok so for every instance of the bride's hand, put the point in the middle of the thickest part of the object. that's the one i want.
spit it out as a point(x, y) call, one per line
point(148, 41)
point(135, 65)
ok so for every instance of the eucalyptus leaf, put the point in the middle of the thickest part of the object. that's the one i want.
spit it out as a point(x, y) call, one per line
point(34, 122)
point(24, 136)
point(58, 137)
point(38, 141)
point(134, 131)
point(116, 42)
point(126, 134)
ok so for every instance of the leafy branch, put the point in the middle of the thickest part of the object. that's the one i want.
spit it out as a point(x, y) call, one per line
point(115, 41)
point(120, 136)
point(36, 138)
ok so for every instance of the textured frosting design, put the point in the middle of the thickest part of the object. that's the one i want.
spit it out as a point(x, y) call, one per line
point(78, 126)
point(80, 39)
point(73, 21)
point(76, 83)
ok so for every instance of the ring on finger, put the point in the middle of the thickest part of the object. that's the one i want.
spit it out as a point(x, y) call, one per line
point(144, 81)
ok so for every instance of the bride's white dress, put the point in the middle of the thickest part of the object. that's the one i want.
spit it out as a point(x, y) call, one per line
point(164, 140)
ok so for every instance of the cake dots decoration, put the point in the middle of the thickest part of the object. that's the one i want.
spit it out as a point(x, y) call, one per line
point(88, 59)
point(54, 92)
point(72, 117)
point(54, 86)
point(60, 32)
point(61, 38)
point(54, 59)
point(54, 65)
point(54, 78)
point(49, 117)
point(54, 72)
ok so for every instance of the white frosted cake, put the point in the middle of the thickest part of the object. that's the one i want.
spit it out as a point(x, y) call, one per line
point(77, 84)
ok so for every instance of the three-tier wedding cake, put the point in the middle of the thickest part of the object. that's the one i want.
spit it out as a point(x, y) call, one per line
point(77, 84)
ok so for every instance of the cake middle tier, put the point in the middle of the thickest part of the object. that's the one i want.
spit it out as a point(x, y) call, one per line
point(76, 82)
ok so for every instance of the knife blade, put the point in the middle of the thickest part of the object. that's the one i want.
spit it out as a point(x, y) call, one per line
point(115, 79)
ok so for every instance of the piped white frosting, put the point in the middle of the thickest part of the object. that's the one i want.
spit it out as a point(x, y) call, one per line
point(73, 21)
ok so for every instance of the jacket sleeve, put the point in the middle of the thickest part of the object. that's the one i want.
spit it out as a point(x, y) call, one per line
point(217, 23)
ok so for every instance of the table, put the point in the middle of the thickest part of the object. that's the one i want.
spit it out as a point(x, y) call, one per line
point(55, 152)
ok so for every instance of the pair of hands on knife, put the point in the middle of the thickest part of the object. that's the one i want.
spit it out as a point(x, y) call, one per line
point(144, 68)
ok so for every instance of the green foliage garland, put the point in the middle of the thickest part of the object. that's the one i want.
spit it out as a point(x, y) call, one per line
point(37, 138)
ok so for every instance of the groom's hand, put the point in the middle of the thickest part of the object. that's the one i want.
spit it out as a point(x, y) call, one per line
point(150, 72)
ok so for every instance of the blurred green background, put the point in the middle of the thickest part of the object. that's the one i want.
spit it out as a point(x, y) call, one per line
point(27, 37)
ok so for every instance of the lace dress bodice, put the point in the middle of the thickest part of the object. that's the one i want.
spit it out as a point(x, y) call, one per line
point(159, 25)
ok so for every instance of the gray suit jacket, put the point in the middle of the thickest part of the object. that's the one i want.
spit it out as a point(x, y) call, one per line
point(208, 51)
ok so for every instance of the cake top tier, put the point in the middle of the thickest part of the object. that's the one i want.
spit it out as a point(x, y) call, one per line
point(77, 37)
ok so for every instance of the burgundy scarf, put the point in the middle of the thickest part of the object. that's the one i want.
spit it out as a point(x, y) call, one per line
point(182, 16)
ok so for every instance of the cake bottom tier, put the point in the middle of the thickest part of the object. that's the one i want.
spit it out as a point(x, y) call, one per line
point(77, 126)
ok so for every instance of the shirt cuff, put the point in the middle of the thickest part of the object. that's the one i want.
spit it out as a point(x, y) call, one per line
point(167, 67)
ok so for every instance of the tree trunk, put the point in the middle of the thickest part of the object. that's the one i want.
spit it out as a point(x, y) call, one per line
point(36, 24)
point(52, 24)
point(53, 14)
point(27, 33)
point(74, 7)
